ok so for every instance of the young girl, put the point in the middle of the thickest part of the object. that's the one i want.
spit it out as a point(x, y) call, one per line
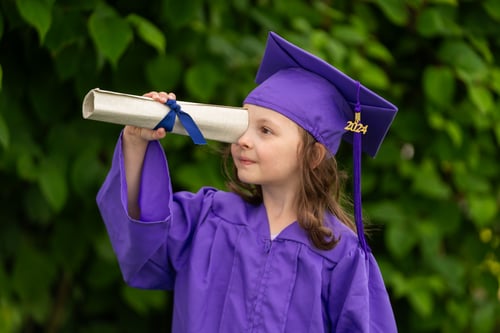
point(277, 253)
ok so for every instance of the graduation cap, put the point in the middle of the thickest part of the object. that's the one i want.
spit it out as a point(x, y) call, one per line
point(324, 101)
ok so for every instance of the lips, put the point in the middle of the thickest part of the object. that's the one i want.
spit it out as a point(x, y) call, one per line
point(245, 161)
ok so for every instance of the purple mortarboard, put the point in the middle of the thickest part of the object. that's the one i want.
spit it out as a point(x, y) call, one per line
point(327, 103)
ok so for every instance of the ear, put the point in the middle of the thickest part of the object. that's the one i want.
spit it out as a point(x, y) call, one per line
point(319, 154)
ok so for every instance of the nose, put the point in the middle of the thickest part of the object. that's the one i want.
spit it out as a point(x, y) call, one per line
point(244, 141)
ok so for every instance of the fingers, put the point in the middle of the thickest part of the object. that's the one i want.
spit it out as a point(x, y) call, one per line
point(161, 96)
point(139, 134)
point(158, 134)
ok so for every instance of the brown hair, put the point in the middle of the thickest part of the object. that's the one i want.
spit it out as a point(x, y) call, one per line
point(320, 191)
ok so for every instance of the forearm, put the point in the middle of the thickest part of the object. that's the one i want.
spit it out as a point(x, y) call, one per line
point(134, 150)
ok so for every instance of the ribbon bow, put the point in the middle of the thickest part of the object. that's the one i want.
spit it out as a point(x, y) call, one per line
point(169, 120)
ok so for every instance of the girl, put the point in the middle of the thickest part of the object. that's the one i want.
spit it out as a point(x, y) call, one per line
point(277, 253)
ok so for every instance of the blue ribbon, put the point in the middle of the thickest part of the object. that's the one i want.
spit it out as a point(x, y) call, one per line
point(175, 111)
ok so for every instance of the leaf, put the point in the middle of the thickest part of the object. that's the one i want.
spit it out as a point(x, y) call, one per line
point(202, 80)
point(485, 317)
point(350, 35)
point(164, 71)
point(492, 7)
point(110, 33)
point(36, 208)
point(148, 32)
point(421, 301)
point(38, 14)
point(374, 76)
point(454, 131)
point(143, 301)
point(394, 10)
point(86, 170)
point(481, 97)
point(439, 85)
point(497, 132)
point(4, 132)
point(181, 13)
point(437, 21)
point(386, 211)
point(482, 209)
point(52, 181)
point(400, 240)
point(451, 270)
point(10, 316)
point(378, 51)
point(428, 182)
point(495, 79)
point(1, 73)
point(464, 59)
point(32, 277)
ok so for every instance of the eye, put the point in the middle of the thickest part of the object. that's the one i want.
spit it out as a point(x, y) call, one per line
point(266, 130)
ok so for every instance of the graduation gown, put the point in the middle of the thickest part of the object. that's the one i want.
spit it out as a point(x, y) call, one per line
point(215, 251)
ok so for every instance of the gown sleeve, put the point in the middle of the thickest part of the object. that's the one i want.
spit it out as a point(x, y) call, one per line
point(359, 299)
point(151, 249)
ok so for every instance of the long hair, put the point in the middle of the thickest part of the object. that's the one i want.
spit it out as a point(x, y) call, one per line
point(320, 192)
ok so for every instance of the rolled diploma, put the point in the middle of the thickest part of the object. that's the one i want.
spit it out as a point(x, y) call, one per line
point(216, 122)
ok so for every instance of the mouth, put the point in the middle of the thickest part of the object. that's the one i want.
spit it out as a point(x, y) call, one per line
point(245, 161)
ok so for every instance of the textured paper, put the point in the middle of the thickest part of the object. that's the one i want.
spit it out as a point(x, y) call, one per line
point(216, 122)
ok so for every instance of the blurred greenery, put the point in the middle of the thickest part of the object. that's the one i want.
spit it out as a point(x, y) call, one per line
point(432, 195)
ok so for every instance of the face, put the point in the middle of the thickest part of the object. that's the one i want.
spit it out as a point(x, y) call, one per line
point(267, 153)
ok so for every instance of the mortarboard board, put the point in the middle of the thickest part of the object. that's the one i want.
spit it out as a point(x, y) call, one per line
point(324, 101)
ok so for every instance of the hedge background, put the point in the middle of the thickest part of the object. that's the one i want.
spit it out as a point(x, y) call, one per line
point(432, 194)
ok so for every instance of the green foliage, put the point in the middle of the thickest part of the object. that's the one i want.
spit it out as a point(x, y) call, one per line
point(432, 195)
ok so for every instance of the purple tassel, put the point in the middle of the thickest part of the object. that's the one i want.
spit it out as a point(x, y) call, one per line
point(356, 143)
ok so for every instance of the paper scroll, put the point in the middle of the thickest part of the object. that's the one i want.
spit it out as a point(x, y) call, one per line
point(216, 122)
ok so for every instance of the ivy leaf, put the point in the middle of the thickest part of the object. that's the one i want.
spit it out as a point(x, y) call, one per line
point(148, 32)
point(38, 14)
point(110, 33)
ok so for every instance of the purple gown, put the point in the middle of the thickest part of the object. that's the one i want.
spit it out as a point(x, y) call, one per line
point(214, 250)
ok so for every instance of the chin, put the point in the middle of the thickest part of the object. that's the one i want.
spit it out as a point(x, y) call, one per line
point(247, 179)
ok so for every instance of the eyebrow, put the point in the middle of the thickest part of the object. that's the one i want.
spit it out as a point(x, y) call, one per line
point(266, 121)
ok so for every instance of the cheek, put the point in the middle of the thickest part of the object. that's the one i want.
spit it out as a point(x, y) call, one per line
point(234, 149)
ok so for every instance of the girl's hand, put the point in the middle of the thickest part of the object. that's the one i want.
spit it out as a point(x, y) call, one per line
point(134, 145)
point(139, 135)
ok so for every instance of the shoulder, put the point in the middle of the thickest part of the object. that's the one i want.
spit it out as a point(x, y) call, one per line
point(225, 205)
point(231, 207)
point(348, 245)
